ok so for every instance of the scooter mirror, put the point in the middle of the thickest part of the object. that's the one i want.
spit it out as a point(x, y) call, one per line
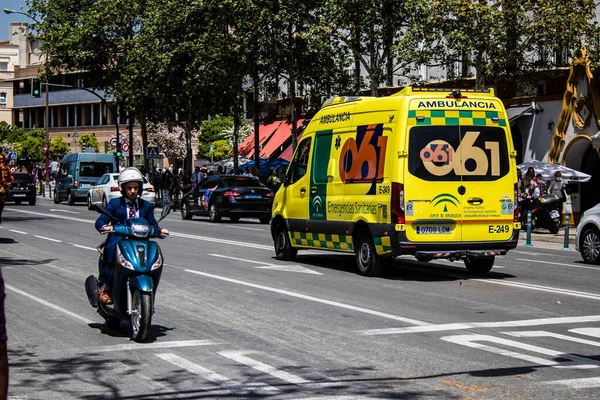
point(165, 211)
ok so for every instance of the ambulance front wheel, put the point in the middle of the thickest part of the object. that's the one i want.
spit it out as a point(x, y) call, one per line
point(369, 263)
point(283, 248)
point(479, 265)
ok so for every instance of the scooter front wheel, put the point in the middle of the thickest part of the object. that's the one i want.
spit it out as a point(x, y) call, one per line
point(141, 315)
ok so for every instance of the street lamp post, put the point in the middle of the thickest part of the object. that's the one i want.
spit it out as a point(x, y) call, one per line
point(47, 105)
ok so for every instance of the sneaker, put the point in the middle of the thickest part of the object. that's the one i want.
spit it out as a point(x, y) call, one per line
point(103, 295)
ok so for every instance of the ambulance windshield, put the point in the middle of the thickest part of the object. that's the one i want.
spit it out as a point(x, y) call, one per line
point(455, 153)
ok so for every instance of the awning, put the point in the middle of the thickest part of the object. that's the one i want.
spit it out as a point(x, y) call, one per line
point(265, 131)
point(516, 112)
point(289, 152)
point(278, 140)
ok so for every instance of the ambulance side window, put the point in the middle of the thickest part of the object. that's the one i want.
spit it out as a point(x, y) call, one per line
point(299, 164)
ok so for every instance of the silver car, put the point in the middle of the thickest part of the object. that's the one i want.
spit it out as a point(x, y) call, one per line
point(107, 189)
point(587, 241)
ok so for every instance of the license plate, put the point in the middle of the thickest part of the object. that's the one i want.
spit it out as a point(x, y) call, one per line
point(19, 195)
point(86, 185)
point(434, 230)
point(554, 214)
point(253, 196)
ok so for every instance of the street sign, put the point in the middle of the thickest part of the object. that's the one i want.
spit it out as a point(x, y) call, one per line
point(152, 152)
point(125, 147)
point(113, 141)
point(12, 155)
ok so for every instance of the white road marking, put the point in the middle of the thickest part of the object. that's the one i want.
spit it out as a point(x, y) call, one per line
point(561, 264)
point(538, 334)
point(87, 221)
point(529, 253)
point(245, 227)
point(217, 240)
point(65, 211)
point(240, 357)
point(549, 289)
point(214, 377)
point(278, 267)
point(48, 304)
point(83, 247)
point(581, 383)
point(16, 231)
point(310, 298)
point(473, 325)
point(593, 332)
point(47, 238)
point(155, 345)
point(577, 362)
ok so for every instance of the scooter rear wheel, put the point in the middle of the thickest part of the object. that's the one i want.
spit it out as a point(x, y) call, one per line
point(141, 316)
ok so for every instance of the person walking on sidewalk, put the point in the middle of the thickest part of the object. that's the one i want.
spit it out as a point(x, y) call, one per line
point(5, 179)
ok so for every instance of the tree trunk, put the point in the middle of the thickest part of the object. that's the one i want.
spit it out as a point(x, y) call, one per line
point(144, 135)
point(256, 125)
point(292, 90)
point(187, 162)
point(131, 117)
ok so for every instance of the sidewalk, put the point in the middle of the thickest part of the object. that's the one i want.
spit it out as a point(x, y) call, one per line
point(543, 238)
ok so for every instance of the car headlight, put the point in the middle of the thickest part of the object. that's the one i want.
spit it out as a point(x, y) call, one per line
point(158, 263)
point(123, 261)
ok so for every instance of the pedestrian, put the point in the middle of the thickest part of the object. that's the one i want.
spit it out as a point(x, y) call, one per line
point(5, 179)
point(196, 176)
point(273, 180)
point(557, 188)
point(155, 181)
point(529, 177)
point(53, 169)
point(167, 182)
point(186, 181)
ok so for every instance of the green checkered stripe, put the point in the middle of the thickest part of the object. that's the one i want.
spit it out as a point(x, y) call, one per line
point(382, 244)
point(322, 240)
point(456, 117)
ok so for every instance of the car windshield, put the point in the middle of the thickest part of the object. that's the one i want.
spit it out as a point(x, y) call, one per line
point(241, 181)
point(94, 169)
point(21, 176)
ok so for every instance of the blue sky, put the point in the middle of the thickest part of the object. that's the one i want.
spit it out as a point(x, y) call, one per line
point(18, 5)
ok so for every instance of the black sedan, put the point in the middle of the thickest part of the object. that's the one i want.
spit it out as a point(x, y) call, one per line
point(232, 196)
point(22, 188)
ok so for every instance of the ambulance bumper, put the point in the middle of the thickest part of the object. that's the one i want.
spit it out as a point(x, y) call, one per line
point(455, 250)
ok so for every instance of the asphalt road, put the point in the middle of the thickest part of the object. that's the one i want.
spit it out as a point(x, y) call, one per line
point(231, 321)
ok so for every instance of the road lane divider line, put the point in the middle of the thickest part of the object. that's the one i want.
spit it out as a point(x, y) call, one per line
point(245, 227)
point(311, 298)
point(20, 232)
point(474, 325)
point(48, 304)
point(214, 377)
point(579, 383)
point(151, 346)
point(241, 358)
point(223, 241)
point(560, 264)
point(87, 221)
point(47, 238)
point(276, 267)
point(80, 246)
point(65, 211)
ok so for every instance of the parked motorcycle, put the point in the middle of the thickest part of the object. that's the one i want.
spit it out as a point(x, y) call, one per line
point(544, 212)
point(137, 271)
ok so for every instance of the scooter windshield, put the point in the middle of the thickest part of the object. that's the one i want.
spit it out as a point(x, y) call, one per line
point(139, 227)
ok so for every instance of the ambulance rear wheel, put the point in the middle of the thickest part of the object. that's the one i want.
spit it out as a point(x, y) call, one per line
point(369, 263)
point(283, 248)
point(479, 265)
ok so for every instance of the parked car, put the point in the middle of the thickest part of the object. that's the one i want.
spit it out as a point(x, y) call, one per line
point(22, 188)
point(587, 240)
point(107, 189)
point(232, 196)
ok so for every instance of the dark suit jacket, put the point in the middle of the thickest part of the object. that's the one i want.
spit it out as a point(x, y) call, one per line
point(118, 209)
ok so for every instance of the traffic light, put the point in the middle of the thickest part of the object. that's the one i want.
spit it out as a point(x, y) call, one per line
point(118, 151)
point(36, 88)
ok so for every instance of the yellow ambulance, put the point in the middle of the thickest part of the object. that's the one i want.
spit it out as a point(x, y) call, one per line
point(425, 172)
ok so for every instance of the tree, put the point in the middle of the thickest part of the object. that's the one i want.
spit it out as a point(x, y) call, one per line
point(221, 150)
point(170, 140)
point(213, 130)
point(30, 148)
point(58, 147)
point(88, 140)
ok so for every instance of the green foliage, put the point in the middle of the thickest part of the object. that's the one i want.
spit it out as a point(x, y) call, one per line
point(213, 130)
point(88, 140)
point(221, 149)
point(58, 147)
point(31, 147)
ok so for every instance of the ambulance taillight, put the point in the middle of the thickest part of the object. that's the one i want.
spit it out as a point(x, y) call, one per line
point(397, 206)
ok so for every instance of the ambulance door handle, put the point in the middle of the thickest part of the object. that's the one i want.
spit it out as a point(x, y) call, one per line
point(475, 201)
point(302, 190)
point(313, 190)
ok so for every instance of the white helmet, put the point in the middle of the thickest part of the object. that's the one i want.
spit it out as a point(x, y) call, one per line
point(131, 174)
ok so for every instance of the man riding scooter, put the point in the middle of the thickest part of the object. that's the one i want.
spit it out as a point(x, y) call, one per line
point(130, 205)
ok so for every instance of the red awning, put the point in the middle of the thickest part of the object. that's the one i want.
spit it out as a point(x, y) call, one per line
point(278, 140)
point(265, 131)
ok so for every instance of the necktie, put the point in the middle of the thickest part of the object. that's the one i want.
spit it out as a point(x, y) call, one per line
point(132, 209)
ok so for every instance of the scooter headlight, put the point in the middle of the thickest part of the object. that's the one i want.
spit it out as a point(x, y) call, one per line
point(158, 263)
point(125, 263)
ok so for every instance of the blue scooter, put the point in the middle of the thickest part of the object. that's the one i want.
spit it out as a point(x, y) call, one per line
point(138, 267)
